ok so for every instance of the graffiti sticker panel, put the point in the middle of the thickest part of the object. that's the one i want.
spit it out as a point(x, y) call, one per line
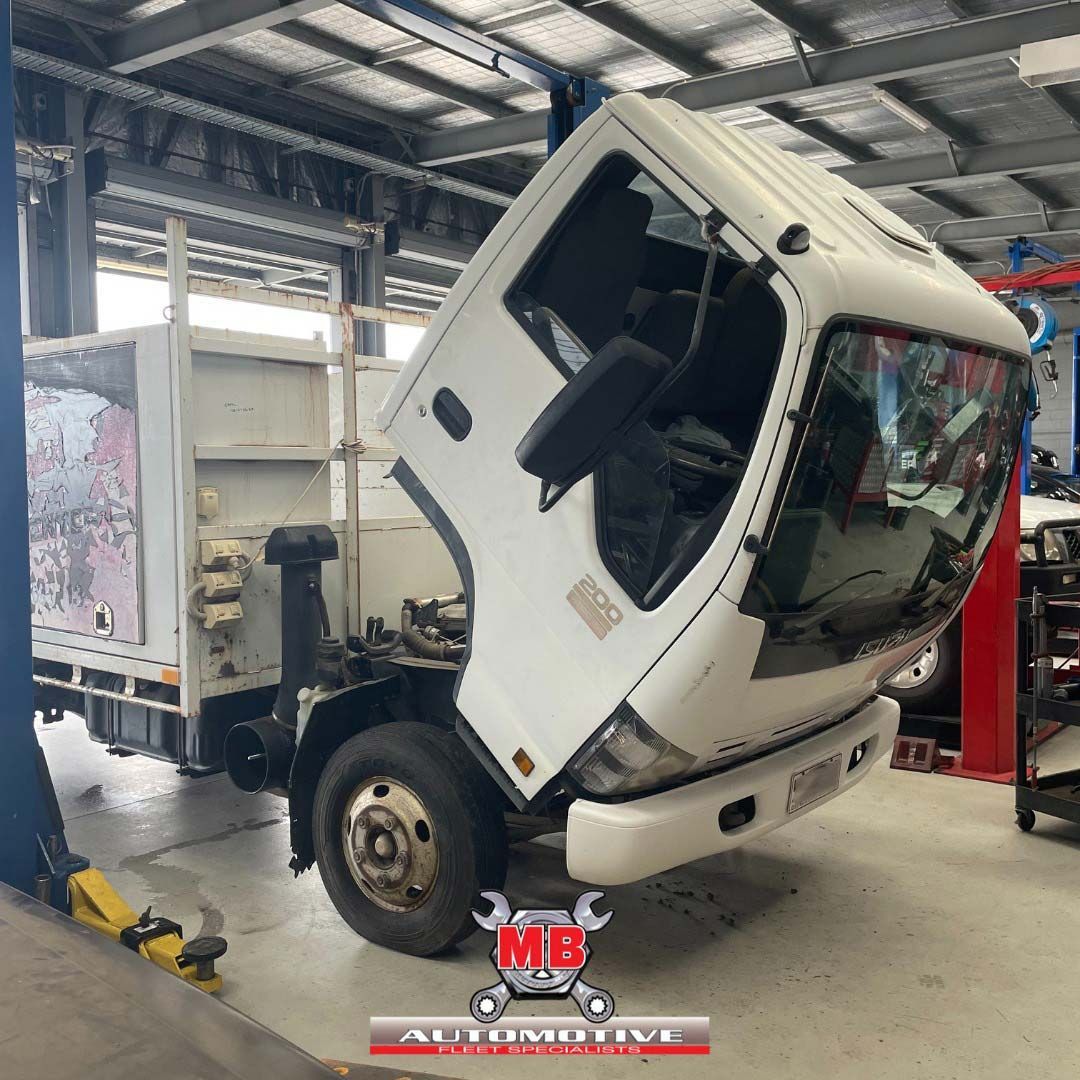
point(82, 489)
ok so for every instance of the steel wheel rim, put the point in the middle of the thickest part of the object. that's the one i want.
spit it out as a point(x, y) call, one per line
point(920, 670)
point(390, 844)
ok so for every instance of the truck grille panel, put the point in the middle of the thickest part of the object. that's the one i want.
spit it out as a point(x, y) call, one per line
point(1072, 543)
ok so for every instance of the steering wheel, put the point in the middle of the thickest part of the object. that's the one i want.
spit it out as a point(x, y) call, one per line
point(946, 542)
point(727, 455)
point(729, 466)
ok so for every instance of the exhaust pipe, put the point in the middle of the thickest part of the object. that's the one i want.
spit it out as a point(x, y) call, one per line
point(258, 755)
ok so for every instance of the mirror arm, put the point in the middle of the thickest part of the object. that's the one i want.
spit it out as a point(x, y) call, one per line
point(547, 500)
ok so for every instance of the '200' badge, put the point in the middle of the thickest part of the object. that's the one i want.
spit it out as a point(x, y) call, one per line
point(594, 606)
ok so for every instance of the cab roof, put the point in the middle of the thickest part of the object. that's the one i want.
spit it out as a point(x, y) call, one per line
point(863, 259)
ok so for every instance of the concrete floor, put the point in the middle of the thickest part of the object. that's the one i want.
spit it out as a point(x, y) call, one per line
point(906, 928)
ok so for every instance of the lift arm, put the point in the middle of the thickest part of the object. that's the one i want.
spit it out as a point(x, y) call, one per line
point(95, 903)
point(572, 98)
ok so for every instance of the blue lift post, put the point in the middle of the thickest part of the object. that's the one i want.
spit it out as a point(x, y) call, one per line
point(573, 98)
point(33, 853)
point(1020, 249)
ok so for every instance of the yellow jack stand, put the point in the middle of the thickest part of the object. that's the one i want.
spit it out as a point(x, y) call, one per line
point(95, 903)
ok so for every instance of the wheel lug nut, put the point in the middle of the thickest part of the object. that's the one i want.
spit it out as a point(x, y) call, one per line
point(361, 822)
point(381, 881)
point(359, 854)
point(388, 824)
point(402, 859)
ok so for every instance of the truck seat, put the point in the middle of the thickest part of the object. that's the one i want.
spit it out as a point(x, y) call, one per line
point(727, 383)
point(666, 327)
point(592, 269)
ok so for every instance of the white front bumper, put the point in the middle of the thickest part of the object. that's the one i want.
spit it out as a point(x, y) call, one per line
point(613, 843)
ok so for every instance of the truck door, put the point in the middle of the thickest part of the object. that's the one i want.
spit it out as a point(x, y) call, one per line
point(571, 607)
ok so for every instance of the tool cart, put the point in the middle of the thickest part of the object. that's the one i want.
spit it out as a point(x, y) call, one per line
point(1044, 625)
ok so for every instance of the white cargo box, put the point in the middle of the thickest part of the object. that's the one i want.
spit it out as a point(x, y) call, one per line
point(133, 467)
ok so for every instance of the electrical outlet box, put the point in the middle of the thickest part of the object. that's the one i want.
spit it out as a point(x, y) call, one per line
point(207, 502)
point(219, 583)
point(217, 554)
point(222, 615)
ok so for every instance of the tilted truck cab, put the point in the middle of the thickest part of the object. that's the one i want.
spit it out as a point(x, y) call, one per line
point(717, 444)
point(792, 516)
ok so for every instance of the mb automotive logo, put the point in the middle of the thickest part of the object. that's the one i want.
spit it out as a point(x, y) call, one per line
point(540, 954)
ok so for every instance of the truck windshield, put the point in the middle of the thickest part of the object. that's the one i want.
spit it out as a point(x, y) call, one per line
point(896, 489)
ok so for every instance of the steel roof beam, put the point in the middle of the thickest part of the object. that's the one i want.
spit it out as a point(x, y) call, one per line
point(351, 57)
point(937, 49)
point(636, 33)
point(139, 94)
point(794, 23)
point(194, 26)
point(1065, 107)
point(315, 75)
point(958, 8)
point(1030, 156)
point(1008, 227)
point(1038, 192)
point(946, 202)
point(129, 183)
point(657, 46)
point(459, 39)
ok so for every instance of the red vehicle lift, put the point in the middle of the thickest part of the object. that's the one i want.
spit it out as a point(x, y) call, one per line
point(988, 681)
point(988, 689)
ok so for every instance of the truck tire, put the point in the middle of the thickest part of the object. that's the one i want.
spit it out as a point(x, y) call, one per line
point(408, 831)
point(930, 684)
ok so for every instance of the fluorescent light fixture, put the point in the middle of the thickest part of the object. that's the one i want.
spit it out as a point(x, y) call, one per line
point(1047, 63)
point(898, 108)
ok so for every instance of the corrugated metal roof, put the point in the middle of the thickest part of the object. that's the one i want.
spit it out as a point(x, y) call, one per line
point(635, 43)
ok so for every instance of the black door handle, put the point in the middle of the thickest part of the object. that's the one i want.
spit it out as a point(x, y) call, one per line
point(450, 411)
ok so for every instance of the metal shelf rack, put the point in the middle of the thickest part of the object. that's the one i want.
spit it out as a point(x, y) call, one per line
point(1038, 699)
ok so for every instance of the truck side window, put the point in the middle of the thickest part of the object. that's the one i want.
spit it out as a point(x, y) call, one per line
point(628, 258)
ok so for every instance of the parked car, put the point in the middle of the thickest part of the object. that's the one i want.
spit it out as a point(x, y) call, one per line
point(1042, 455)
point(930, 683)
point(1050, 483)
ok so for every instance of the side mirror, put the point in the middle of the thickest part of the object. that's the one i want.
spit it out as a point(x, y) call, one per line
point(582, 423)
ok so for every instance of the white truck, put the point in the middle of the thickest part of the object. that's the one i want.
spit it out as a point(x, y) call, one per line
point(716, 444)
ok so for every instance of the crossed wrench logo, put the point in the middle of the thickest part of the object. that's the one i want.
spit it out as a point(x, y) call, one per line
point(596, 1005)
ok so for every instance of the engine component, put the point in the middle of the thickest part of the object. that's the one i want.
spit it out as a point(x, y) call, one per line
point(328, 657)
point(424, 643)
point(300, 551)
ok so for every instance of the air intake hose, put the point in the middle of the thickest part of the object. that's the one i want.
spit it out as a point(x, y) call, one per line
point(415, 642)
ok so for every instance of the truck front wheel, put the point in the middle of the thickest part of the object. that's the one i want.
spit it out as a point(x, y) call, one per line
point(408, 831)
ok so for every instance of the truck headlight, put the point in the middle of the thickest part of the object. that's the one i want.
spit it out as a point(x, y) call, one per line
point(627, 755)
point(1053, 548)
